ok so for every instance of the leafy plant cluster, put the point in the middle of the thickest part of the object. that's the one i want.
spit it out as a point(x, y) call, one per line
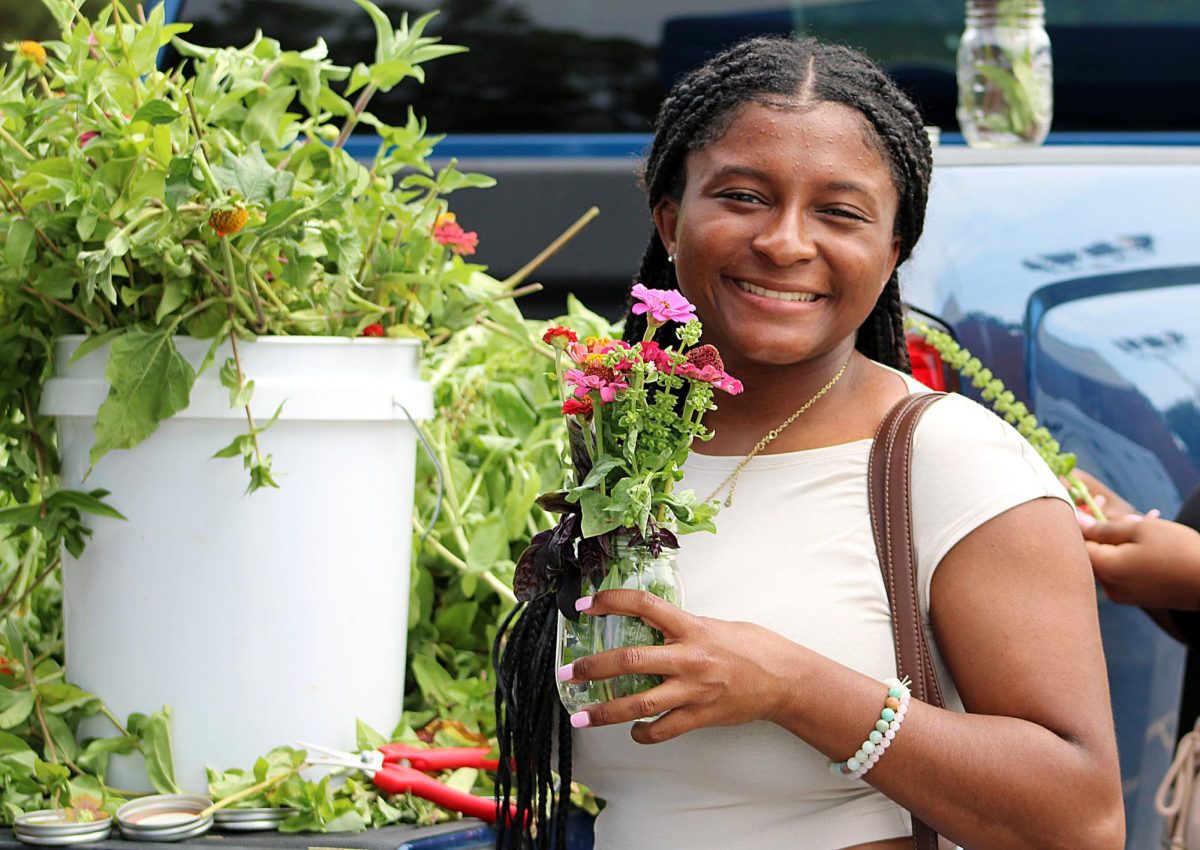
point(1015, 412)
point(139, 204)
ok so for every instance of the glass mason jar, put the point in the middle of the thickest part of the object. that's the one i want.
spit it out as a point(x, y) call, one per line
point(631, 567)
point(1005, 80)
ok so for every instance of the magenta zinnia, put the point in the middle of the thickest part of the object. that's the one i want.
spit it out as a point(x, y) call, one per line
point(663, 305)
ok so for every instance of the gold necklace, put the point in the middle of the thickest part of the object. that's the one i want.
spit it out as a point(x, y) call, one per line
point(732, 480)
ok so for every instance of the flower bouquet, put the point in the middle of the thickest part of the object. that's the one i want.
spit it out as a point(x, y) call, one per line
point(633, 412)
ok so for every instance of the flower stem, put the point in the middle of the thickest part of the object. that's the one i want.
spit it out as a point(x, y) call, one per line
point(459, 564)
point(4, 134)
point(505, 332)
point(237, 362)
point(359, 106)
point(515, 279)
point(247, 792)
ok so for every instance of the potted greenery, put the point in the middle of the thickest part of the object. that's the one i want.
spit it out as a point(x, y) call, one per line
point(191, 258)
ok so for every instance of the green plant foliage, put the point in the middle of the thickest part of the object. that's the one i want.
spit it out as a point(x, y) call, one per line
point(137, 205)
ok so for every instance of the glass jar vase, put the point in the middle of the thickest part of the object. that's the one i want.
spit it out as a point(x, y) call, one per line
point(1005, 80)
point(631, 567)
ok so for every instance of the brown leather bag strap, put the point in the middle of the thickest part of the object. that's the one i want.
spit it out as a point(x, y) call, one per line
point(889, 486)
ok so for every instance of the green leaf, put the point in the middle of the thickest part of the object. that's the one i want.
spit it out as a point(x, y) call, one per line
point(599, 471)
point(253, 177)
point(488, 542)
point(156, 748)
point(512, 405)
point(241, 446)
point(266, 118)
point(432, 678)
point(366, 738)
point(11, 745)
point(181, 184)
point(64, 739)
point(384, 35)
point(50, 773)
point(156, 112)
point(61, 697)
point(463, 779)
point(87, 502)
point(15, 707)
point(94, 755)
point(149, 381)
point(93, 342)
point(175, 294)
point(597, 519)
point(231, 379)
point(19, 248)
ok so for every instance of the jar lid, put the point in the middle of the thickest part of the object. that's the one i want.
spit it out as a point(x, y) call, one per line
point(250, 819)
point(164, 817)
point(53, 827)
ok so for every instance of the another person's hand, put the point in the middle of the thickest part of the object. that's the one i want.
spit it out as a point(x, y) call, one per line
point(716, 673)
point(1154, 563)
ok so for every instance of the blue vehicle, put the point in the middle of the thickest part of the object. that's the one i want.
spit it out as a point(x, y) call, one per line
point(1072, 270)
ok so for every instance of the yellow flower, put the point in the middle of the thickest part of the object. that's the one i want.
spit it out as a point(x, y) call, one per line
point(34, 52)
point(228, 222)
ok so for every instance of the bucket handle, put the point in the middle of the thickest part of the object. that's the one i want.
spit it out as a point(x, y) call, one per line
point(441, 489)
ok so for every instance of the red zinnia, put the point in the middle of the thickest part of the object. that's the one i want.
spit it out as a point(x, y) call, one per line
point(559, 336)
point(373, 330)
point(577, 406)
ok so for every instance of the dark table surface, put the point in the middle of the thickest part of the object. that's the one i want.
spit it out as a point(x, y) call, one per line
point(467, 834)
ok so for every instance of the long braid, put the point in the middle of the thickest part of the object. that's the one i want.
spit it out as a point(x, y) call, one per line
point(528, 718)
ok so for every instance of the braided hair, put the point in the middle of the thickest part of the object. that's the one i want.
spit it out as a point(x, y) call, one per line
point(697, 111)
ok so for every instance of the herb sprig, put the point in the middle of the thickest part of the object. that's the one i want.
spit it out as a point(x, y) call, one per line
point(1015, 412)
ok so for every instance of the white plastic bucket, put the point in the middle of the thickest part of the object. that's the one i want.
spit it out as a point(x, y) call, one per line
point(260, 619)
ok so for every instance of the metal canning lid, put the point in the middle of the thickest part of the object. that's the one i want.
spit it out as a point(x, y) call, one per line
point(49, 827)
point(164, 817)
point(250, 820)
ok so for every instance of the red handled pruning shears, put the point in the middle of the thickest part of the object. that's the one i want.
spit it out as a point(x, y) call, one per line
point(400, 768)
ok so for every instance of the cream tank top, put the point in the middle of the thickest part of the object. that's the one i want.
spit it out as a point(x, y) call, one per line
point(795, 553)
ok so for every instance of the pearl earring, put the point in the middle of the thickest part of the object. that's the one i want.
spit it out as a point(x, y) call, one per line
point(670, 258)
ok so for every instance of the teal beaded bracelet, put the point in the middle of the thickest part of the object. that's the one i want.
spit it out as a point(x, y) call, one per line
point(895, 706)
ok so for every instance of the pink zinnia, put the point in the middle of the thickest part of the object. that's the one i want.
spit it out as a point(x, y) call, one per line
point(584, 383)
point(652, 352)
point(87, 136)
point(704, 364)
point(663, 305)
point(593, 348)
point(449, 232)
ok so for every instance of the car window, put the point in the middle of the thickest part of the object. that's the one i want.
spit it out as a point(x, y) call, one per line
point(579, 66)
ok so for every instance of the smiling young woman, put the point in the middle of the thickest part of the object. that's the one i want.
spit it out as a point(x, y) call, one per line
point(787, 182)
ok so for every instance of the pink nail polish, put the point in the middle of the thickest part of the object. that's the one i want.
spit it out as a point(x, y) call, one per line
point(566, 672)
point(582, 604)
point(1154, 513)
point(581, 719)
point(1085, 520)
